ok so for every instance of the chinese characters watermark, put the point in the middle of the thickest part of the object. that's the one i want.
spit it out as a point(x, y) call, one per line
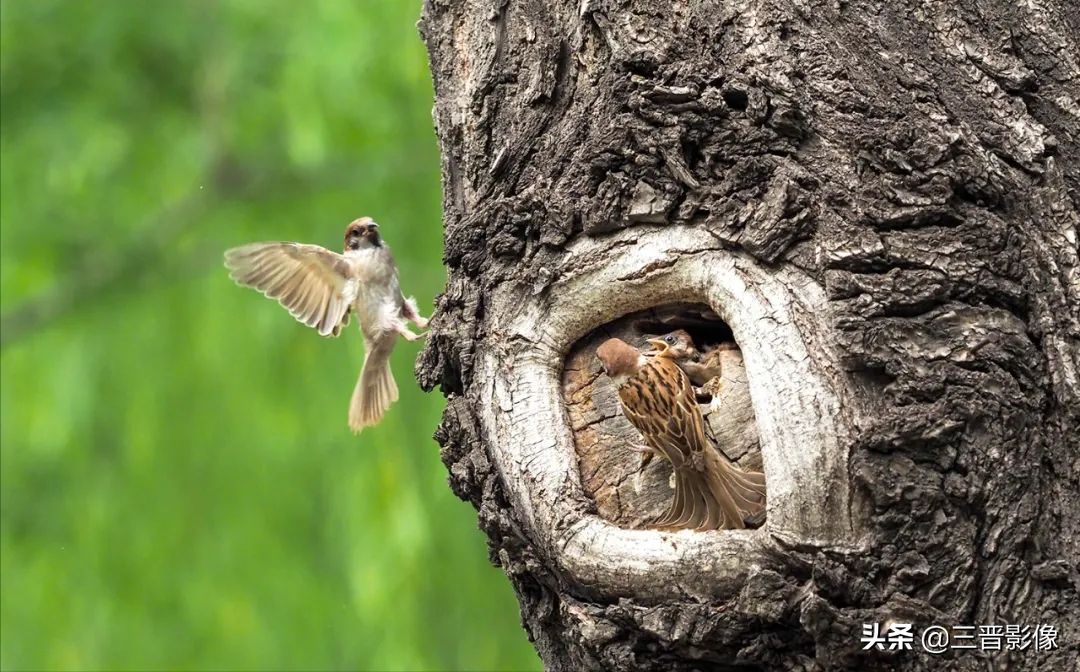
point(939, 639)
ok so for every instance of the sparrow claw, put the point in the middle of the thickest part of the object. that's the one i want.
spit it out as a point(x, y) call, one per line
point(407, 334)
point(646, 452)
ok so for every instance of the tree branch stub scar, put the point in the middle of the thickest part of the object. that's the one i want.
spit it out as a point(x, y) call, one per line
point(797, 393)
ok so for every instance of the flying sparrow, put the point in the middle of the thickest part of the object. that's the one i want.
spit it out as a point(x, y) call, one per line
point(321, 288)
point(657, 398)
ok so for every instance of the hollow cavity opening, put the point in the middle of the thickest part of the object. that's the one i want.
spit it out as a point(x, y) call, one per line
point(626, 492)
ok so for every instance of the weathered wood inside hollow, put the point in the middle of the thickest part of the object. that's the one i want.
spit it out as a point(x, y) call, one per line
point(611, 473)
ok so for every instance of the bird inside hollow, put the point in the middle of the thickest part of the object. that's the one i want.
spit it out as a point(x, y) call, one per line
point(701, 367)
point(322, 288)
point(657, 398)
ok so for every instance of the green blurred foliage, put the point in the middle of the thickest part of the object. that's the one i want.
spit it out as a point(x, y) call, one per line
point(179, 489)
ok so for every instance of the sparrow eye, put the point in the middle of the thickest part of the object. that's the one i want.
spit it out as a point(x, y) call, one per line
point(669, 339)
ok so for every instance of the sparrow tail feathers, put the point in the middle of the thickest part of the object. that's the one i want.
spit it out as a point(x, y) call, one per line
point(699, 504)
point(723, 497)
point(375, 390)
point(744, 489)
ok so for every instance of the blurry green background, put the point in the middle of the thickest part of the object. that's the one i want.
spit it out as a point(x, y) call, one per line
point(179, 488)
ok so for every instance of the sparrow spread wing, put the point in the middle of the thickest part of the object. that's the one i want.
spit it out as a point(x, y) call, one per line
point(312, 282)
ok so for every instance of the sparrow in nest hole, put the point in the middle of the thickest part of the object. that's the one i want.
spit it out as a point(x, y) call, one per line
point(658, 399)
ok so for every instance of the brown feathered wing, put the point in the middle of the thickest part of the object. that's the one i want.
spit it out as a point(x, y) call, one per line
point(710, 492)
point(310, 281)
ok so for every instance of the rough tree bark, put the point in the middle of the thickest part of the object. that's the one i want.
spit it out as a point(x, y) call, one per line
point(880, 200)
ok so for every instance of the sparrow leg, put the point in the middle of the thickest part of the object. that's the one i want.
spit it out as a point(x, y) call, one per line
point(393, 319)
point(646, 452)
point(407, 334)
point(410, 312)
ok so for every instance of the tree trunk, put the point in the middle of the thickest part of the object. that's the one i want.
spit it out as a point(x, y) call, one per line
point(879, 204)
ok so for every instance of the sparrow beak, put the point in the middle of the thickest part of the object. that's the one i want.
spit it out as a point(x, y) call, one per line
point(657, 344)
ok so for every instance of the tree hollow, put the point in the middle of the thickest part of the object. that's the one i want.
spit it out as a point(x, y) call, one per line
point(626, 492)
point(795, 396)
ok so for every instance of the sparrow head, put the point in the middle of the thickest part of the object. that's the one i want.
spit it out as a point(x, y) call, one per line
point(362, 234)
point(676, 345)
point(618, 359)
